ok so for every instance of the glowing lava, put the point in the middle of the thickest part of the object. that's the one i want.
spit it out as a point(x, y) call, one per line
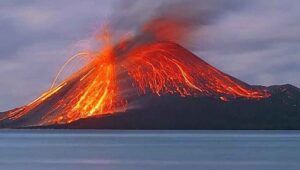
point(89, 92)
point(167, 68)
point(151, 64)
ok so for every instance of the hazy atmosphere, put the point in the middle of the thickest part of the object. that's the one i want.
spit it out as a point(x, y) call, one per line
point(256, 41)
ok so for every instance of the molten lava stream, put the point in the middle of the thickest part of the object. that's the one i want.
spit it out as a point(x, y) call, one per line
point(158, 68)
point(91, 91)
point(167, 68)
point(96, 92)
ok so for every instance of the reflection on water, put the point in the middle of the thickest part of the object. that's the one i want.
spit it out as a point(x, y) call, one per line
point(148, 150)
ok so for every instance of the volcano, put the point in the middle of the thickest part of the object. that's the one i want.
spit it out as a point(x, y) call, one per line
point(157, 85)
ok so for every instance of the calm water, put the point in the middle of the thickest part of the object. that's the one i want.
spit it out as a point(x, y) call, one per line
point(149, 150)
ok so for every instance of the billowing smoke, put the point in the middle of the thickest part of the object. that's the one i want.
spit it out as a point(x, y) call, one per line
point(177, 21)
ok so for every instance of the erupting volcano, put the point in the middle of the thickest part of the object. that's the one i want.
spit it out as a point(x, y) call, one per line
point(121, 74)
point(158, 68)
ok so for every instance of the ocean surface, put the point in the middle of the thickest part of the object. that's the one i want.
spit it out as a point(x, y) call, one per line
point(149, 150)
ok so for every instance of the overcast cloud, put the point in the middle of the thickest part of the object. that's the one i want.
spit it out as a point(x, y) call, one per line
point(256, 41)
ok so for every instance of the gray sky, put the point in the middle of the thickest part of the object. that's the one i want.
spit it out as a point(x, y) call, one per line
point(256, 41)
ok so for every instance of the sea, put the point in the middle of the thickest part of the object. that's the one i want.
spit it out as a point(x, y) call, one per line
point(148, 150)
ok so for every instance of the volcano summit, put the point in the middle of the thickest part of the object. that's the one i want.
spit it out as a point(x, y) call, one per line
point(158, 85)
point(150, 82)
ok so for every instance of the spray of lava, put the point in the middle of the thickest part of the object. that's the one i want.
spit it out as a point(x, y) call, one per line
point(153, 64)
point(91, 91)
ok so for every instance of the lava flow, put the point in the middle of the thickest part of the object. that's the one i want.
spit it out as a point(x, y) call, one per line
point(91, 91)
point(167, 68)
point(150, 62)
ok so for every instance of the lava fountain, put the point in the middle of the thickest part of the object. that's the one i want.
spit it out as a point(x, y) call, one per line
point(151, 62)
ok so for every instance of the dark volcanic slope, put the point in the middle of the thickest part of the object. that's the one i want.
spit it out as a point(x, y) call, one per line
point(111, 83)
point(168, 87)
point(281, 111)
